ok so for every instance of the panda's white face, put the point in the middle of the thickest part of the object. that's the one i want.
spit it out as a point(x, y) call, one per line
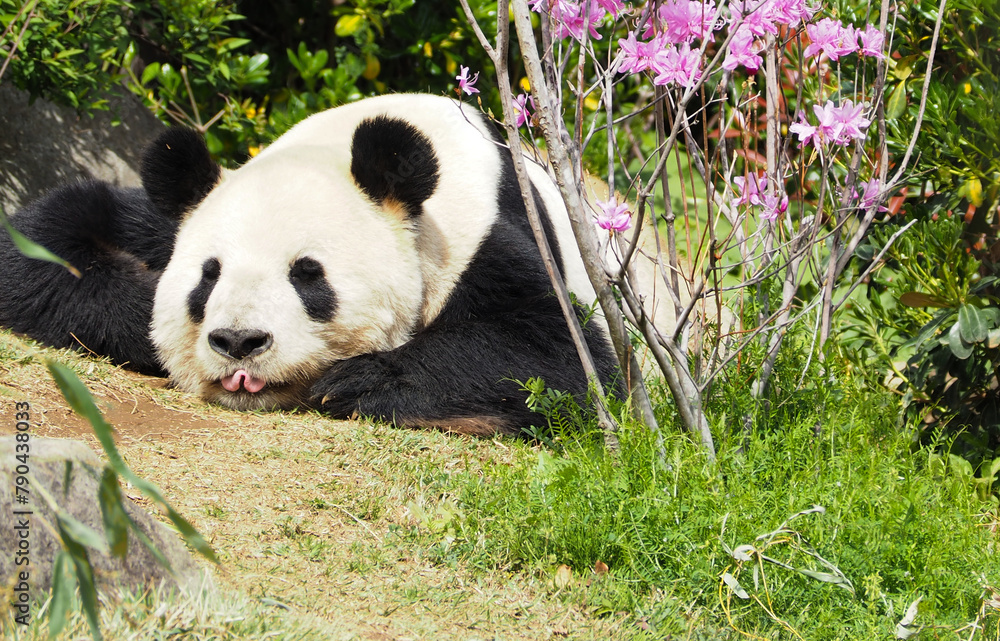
point(270, 283)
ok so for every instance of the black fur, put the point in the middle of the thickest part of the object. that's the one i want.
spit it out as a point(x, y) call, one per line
point(198, 298)
point(309, 280)
point(120, 240)
point(178, 172)
point(501, 325)
point(392, 160)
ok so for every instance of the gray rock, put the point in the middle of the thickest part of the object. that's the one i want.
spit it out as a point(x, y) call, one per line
point(43, 145)
point(47, 464)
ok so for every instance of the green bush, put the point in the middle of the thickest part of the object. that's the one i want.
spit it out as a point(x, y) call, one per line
point(928, 321)
point(68, 51)
point(240, 72)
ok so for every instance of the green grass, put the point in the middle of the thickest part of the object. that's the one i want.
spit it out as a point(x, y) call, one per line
point(425, 532)
point(897, 524)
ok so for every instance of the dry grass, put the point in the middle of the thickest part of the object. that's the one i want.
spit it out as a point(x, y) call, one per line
point(305, 510)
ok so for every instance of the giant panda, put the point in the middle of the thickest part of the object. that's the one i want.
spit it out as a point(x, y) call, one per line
point(376, 261)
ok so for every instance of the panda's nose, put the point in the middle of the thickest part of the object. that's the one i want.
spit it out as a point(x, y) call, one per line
point(239, 343)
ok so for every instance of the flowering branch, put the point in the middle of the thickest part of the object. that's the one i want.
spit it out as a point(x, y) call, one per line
point(790, 186)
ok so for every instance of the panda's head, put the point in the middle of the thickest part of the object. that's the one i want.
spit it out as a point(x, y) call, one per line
point(304, 256)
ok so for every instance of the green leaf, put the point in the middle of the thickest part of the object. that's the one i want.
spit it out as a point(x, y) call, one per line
point(149, 545)
point(85, 577)
point(66, 53)
point(196, 58)
point(971, 324)
point(80, 532)
point(959, 466)
point(232, 43)
point(113, 513)
point(32, 249)
point(349, 25)
point(150, 72)
point(896, 104)
point(959, 348)
point(63, 589)
point(920, 299)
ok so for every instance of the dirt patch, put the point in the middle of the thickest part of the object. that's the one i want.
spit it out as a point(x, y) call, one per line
point(129, 406)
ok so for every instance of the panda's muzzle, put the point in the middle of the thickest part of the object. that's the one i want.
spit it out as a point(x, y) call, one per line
point(239, 343)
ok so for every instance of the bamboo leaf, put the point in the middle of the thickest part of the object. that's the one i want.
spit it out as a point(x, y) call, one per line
point(735, 586)
point(113, 513)
point(827, 577)
point(85, 577)
point(63, 589)
point(80, 532)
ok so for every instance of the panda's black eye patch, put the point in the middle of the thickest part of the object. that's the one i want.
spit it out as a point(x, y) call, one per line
point(198, 298)
point(308, 278)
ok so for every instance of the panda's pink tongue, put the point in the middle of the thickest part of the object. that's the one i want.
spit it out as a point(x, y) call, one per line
point(241, 377)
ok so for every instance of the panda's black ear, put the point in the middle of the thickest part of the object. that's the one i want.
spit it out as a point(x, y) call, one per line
point(393, 163)
point(178, 172)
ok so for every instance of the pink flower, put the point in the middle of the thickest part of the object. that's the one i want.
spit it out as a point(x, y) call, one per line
point(869, 196)
point(790, 11)
point(751, 191)
point(773, 206)
point(872, 42)
point(638, 56)
point(806, 132)
point(614, 7)
point(755, 15)
point(848, 123)
point(573, 18)
point(521, 112)
point(613, 216)
point(837, 125)
point(832, 38)
point(741, 52)
point(687, 20)
point(681, 66)
point(465, 83)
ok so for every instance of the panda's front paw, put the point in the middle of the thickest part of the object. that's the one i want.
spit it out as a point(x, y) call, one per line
point(343, 388)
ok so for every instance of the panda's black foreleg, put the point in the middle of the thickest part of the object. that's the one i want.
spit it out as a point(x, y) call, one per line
point(462, 377)
point(117, 242)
